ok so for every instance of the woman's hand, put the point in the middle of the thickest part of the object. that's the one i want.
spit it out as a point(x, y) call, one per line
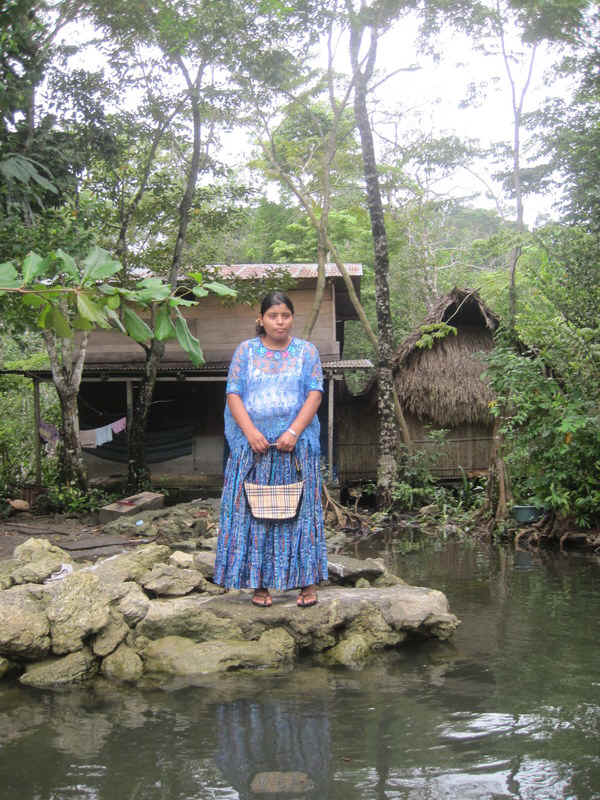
point(286, 442)
point(257, 441)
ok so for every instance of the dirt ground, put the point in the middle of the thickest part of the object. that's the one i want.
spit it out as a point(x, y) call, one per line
point(80, 536)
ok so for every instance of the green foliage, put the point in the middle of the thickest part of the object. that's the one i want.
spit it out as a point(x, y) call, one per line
point(433, 332)
point(64, 296)
point(552, 435)
point(17, 428)
point(63, 499)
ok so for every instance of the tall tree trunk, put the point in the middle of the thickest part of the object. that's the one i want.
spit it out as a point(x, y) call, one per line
point(387, 430)
point(67, 358)
point(138, 472)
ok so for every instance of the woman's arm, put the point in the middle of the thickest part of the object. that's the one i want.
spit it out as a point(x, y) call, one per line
point(287, 440)
point(255, 438)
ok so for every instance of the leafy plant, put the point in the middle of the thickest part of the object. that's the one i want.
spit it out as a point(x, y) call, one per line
point(552, 435)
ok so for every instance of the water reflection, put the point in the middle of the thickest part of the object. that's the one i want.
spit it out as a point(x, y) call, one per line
point(510, 708)
point(261, 744)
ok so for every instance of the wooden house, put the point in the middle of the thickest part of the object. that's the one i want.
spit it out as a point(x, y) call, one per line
point(440, 388)
point(185, 437)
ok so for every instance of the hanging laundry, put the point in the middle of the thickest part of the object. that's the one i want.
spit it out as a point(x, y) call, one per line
point(48, 432)
point(119, 425)
point(104, 435)
point(87, 438)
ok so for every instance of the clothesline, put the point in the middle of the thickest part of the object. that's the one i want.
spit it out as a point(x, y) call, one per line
point(96, 437)
point(93, 437)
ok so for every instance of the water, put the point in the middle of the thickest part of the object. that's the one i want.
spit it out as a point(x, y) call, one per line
point(510, 708)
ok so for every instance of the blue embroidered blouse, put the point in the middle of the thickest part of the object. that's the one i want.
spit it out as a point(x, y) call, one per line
point(273, 385)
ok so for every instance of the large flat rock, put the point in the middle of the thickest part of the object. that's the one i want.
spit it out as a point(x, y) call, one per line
point(152, 614)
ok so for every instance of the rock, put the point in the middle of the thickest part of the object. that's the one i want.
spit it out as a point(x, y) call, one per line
point(72, 668)
point(293, 783)
point(205, 563)
point(24, 625)
point(388, 579)
point(352, 651)
point(177, 656)
point(345, 569)
point(123, 665)
point(19, 505)
point(37, 559)
point(187, 545)
point(189, 617)
point(362, 583)
point(34, 549)
point(6, 666)
point(210, 543)
point(181, 559)
point(110, 637)
point(134, 604)
point(169, 580)
point(131, 566)
point(6, 569)
point(77, 608)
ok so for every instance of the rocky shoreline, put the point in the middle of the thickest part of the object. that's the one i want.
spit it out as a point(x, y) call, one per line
point(152, 614)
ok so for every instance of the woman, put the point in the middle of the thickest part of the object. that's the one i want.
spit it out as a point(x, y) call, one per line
point(274, 390)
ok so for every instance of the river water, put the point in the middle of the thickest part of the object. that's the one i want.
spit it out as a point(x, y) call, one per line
point(510, 708)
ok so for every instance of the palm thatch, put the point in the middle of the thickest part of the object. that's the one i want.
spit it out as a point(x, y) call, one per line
point(443, 385)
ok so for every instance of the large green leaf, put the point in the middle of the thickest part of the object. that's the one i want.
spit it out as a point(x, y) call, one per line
point(220, 289)
point(91, 310)
point(33, 266)
point(81, 323)
point(199, 291)
point(68, 264)
point(187, 342)
point(57, 322)
point(136, 327)
point(180, 301)
point(9, 278)
point(98, 265)
point(34, 300)
point(164, 328)
point(115, 319)
point(152, 294)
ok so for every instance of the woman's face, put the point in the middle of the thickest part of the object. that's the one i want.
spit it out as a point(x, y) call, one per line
point(277, 322)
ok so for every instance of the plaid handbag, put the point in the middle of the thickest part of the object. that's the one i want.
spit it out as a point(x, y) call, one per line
point(274, 501)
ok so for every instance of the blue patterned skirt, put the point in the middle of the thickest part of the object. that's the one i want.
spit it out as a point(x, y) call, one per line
point(279, 555)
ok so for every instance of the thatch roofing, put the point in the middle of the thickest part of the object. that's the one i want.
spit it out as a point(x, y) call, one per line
point(443, 385)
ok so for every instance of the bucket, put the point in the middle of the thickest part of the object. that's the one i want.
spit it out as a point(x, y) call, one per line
point(525, 514)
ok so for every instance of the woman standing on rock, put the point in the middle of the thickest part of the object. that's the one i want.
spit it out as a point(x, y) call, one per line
point(274, 390)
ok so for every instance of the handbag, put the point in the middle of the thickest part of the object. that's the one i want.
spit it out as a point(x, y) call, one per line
point(269, 501)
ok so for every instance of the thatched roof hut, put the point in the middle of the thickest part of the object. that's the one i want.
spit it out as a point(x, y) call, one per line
point(443, 384)
point(440, 387)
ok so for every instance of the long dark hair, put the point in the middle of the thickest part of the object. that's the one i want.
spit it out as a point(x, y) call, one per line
point(272, 299)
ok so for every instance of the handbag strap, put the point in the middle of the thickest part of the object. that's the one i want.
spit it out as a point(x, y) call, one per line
point(297, 463)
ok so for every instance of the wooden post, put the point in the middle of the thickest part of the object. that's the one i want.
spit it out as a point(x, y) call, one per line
point(330, 426)
point(37, 449)
point(129, 401)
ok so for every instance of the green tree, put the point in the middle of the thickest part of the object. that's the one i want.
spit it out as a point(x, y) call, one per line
point(67, 298)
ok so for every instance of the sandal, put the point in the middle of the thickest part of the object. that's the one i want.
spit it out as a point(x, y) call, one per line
point(262, 598)
point(307, 597)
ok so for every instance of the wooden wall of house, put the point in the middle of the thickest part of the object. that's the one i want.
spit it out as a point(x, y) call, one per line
point(220, 329)
point(355, 426)
point(467, 446)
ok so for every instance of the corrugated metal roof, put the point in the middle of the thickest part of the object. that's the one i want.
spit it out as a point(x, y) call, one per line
point(247, 271)
point(173, 368)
